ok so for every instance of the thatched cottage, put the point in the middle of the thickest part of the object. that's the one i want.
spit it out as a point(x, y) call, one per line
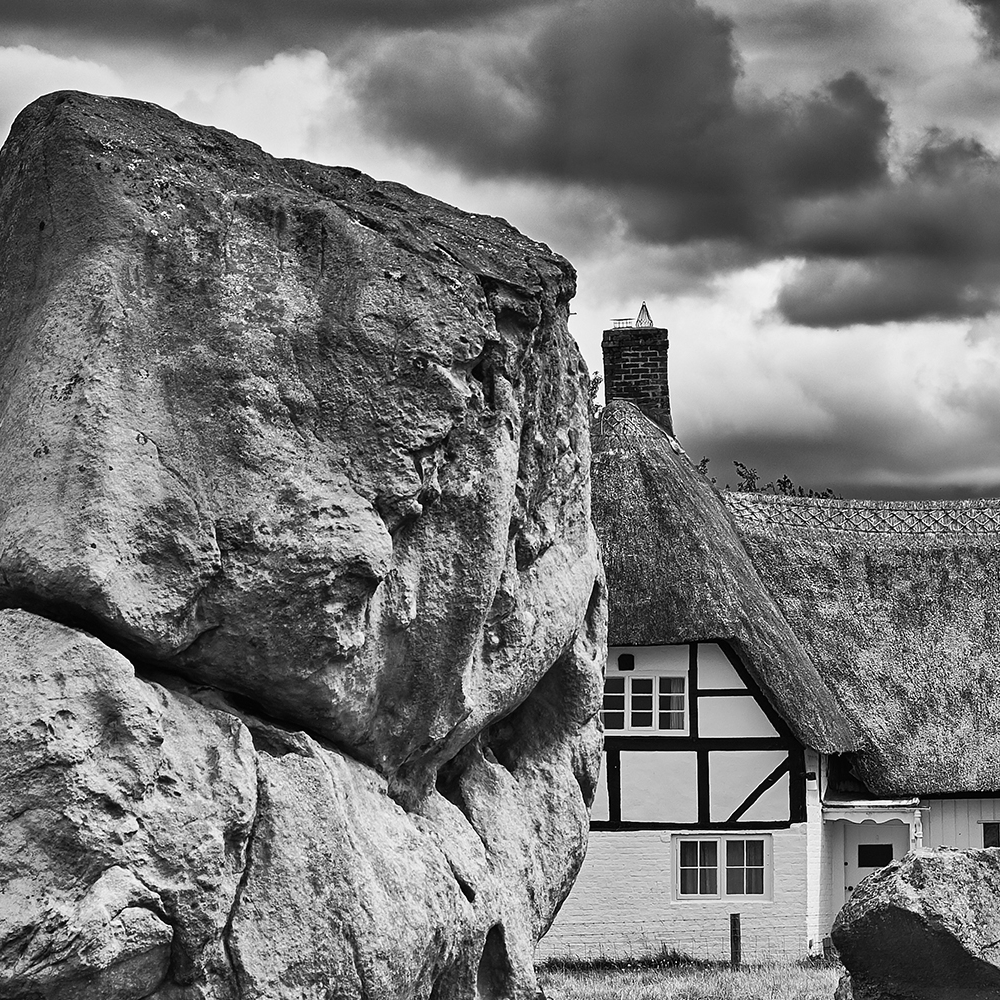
point(798, 690)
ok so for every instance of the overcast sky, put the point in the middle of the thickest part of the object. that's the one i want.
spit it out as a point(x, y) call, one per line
point(806, 192)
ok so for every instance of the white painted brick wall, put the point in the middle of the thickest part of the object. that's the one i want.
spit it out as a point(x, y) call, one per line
point(815, 856)
point(827, 907)
point(622, 905)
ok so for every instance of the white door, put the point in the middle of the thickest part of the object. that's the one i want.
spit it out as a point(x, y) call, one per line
point(868, 846)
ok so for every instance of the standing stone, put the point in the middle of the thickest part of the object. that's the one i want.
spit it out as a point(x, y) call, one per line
point(309, 454)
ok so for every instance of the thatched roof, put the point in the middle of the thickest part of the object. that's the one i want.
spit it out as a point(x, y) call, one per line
point(678, 572)
point(869, 625)
point(898, 606)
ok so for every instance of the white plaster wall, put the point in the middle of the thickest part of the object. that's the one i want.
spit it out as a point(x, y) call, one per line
point(734, 773)
point(601, 809)
point(730, 716)
point(622, 903)
point(714, 668)
point(652, 659)
point(659, 787)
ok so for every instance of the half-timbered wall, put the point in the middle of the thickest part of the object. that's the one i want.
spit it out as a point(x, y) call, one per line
point(732, 772)
point(733, 763)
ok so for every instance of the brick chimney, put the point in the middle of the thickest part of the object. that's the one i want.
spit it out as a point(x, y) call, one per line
point(635, 366)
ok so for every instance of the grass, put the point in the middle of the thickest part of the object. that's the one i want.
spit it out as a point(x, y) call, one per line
point(671, 976)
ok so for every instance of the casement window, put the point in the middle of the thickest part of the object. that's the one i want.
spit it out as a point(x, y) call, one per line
point(745, 867)
point(645, 704)
point(698, 868)
point(722, 867)
point(991, 834)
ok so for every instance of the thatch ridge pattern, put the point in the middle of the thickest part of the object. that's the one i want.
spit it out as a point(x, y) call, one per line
point(618, 426)
point(899, 517)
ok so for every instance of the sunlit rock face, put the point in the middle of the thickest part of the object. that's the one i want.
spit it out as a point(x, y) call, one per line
point(294, 486)
point(924, 928)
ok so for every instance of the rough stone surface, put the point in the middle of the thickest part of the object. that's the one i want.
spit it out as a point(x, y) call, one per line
point(124, 817)
point(924, 928)
point(294, 483)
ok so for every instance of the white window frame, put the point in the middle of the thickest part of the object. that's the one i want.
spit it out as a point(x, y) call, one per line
point(655, 676)
point(721, 839)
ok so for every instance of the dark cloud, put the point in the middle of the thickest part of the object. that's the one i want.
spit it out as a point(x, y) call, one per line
point(836, 293)
point(638, 97)
point(925, 246)
point(988, 15)
point(859, 459)
point(866, 449)
point(787, 22)
point(256, 24)
point(641, 99)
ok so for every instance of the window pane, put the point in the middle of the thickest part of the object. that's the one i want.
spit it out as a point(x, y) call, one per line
point(613, 714)
point(755, 882)
point(734, 881)
point(708, 853)
point(671, 720)
point(874, 855)
point(755, 853)
point(689, 854)
point(641, 703)
point(689, 881)
point(991, 835)
point(672, 685)
point(613, 720)
point(708, 881)
point(734, 853)
point(673, 702)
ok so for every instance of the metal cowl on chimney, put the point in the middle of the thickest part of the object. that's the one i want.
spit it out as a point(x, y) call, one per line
point(635, 366)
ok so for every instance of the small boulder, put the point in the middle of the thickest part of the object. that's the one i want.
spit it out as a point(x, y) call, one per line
point(925, 928)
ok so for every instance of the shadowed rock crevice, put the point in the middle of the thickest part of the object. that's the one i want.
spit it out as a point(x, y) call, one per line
point(467, 890)
point(494, 974)
point(246, 851)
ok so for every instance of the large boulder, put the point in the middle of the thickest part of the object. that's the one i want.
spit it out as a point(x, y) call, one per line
point(924, 928)
point(304, 456)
